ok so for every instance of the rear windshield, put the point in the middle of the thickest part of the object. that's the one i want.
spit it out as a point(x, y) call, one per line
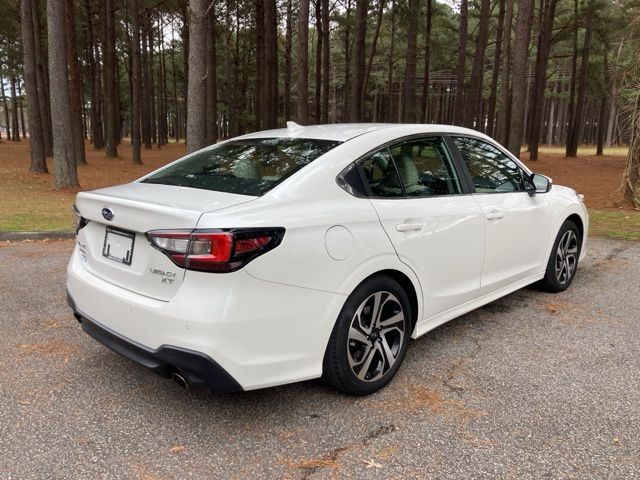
point(247, 167)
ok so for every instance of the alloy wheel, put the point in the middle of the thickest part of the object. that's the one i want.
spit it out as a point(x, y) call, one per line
point(566, 257)
point(375, 336)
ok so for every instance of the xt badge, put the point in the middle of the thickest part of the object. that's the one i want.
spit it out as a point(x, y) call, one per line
point(167, 277)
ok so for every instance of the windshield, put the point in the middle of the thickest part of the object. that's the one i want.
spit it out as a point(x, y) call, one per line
point(247, 167)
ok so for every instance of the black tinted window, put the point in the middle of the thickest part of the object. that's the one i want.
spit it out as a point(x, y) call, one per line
point(380, 174)
point(491, 170)
point(425, 167)
point(247, 167)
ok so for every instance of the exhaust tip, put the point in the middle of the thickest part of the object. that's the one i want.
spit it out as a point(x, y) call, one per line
point(180, 380)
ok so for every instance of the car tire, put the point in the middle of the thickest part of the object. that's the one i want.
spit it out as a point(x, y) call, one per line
point(370, 337)
point(563, 260)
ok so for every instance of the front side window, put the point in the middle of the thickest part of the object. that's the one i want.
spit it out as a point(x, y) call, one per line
point(491, 170)
point(247, 167)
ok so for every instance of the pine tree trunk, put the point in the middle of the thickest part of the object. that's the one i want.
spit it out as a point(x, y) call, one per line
point(540, 81)
point(472, 113)
point(575, 132)
point(318, 66)
point(111, 94)
point(493, 93)
point(135, 81)
point(196, 102)
point(427, 62)
point(36, 135)
point(212, 85)
point(630, 187)
point(505, 88)
point(520, 70)
point(145, 96)
point(410, 72)
point(287, 61)
point(63, 152)
point(302, 81)
point(572, 89)
point(271, 64)
point(15, 119)
point(359, 54)
point(458, 115)
point(326, 52)
point(75, 86)
point(372, 53)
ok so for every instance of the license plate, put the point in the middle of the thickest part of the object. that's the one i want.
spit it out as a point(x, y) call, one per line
point(118, 245)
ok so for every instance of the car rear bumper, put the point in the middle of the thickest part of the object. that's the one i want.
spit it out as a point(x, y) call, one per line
point(256, 333)
point(196, 368)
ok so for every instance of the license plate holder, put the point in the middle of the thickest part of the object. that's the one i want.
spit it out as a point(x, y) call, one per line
point(118, 245)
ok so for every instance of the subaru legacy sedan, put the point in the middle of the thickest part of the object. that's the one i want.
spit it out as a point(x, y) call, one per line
point(319, 251)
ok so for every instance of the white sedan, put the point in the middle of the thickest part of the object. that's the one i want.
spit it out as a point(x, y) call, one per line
point(318, 251)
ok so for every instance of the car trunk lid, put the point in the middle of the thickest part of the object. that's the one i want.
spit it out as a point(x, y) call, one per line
point(117, 249)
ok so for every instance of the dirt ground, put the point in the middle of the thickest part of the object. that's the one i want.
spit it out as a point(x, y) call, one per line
point(30, 202)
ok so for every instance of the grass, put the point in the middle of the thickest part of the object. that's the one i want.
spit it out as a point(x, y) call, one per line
point(622, 225)
point(28, 202)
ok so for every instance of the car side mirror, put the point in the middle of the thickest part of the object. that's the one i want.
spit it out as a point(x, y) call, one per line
point(538, 183)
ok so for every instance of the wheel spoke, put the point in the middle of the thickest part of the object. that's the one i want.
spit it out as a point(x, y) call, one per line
point(367, 362)
point(355, 334)
point(378, 303)
point(396, 318)
point(387, 354)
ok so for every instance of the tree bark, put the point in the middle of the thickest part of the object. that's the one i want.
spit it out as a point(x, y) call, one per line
point(410, 72)
point(318, 67)
point(548, 14)
point(372, 53)
point(493, 94)
point(505, 89)
point(326, 52)
point(520, 70)
point(571, 117)
point(472, 114)
point(575, 132)
point(359, 53)
point(36, 135)
point(135, 81)
point(271, 64)
point(196, 102)
point(288, 46)
point(630, 187)
point(458, 115)
point(604, 102)
point(302, 81)
point(212, 84)
point(15, 120)
point(111, 94)
point(63, 152)
point(75, 86)
point(427, 62)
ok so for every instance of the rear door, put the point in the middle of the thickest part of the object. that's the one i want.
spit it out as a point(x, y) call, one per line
point(516, 224)
point(113, 245)
point(435, 226)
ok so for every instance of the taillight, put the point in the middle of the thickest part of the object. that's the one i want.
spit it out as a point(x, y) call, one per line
point(223, 250)
point(79, 221)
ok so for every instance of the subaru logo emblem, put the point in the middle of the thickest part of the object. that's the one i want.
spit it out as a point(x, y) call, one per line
point(107, 214)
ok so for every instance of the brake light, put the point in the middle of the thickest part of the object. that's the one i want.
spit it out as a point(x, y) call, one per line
point(223, 250)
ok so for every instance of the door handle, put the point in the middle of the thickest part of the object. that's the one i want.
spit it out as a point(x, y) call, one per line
point(408, 227)
point(495, 215)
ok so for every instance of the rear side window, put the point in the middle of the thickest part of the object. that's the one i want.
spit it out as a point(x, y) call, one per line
point(381, 175)
point(247, 167)
point(425, 167)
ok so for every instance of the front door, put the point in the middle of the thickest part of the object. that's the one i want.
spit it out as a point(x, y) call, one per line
point(516, 224)
point(436, 228)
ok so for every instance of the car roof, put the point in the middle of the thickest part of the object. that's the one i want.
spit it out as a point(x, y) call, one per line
point(342, 132)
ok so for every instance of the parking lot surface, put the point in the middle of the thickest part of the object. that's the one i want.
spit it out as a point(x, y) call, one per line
point(531, 386)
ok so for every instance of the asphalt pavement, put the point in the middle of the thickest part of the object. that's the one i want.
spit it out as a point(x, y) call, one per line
point(531, 386)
